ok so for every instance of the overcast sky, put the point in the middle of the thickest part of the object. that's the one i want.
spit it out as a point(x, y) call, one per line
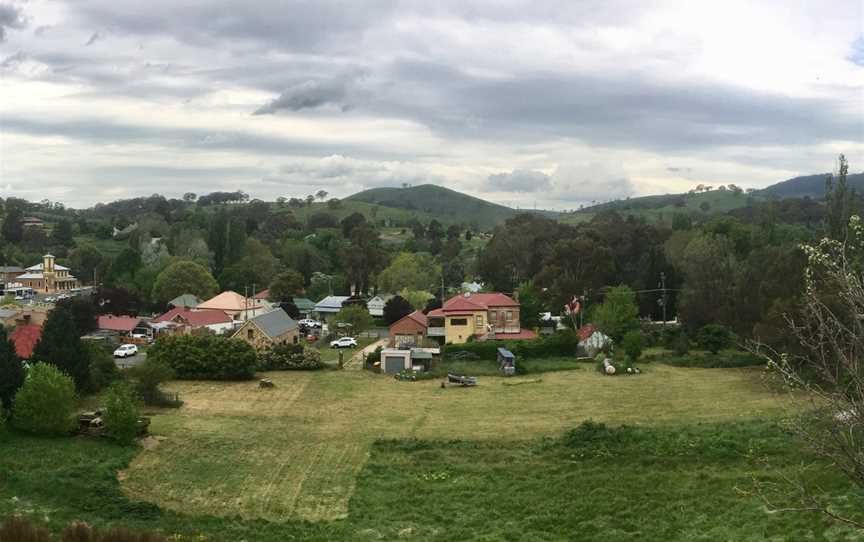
point(524, 103)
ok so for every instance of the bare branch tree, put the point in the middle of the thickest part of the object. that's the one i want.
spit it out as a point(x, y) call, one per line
point(827, 374)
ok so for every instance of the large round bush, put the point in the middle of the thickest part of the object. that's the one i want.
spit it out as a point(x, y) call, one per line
point(205, 357)
point(45, 403)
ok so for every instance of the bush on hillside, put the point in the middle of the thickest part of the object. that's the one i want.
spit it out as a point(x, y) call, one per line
point(290, 357)
point(45, 403)
point(714, 337)
point(121, 413)
point(206, 357)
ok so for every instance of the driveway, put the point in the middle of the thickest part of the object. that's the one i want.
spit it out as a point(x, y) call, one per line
point(131, 361)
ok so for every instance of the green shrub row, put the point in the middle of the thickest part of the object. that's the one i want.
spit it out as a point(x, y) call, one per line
point(725, 359)
point(558, 344)
point(206, 357)
point(290, 357)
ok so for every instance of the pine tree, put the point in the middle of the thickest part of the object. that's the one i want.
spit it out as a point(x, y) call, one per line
point(11, 371)
point(61, 346)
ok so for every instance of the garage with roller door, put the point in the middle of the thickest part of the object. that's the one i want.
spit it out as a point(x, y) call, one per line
point(393, 361)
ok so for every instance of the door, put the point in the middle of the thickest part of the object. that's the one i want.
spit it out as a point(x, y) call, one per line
point(393, 364)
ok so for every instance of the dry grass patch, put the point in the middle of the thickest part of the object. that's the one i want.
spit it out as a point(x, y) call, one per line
point(295, 451)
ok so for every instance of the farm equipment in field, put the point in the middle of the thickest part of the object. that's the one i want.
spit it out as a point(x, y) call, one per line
point(91, 423)
point(461, 380)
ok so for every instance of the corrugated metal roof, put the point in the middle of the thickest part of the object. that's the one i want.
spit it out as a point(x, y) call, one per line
point(274, 323)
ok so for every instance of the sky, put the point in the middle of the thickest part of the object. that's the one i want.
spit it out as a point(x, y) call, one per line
point(552, 104)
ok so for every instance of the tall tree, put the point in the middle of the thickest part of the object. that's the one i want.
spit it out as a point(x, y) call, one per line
point(362, 257)
point(11, 371)
point(286, 286)
point(218, 239)
point(61, 346)
point(839, 198)
point(396, 308)
point(13, 231)
point(184, 277)
point(63, 234)
point(416, 271)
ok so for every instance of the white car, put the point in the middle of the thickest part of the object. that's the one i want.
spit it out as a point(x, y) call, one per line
point(344, 342)
point(125, 350)
point(308, 322)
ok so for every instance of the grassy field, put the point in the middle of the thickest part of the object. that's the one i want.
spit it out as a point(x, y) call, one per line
point(354, 456)
point(295, 452)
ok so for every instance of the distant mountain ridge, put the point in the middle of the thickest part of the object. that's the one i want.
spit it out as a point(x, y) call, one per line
point(812, 186)
point(450, 205)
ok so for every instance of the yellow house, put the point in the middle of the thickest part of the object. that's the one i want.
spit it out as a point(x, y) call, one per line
point(48, 277)
point(481, 316)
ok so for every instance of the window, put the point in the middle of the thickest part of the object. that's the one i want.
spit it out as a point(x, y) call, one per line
point(493, 316)
point(458, 321)
point(250, 333)
point(296, 338)
point(478, 321)
point(509, 315)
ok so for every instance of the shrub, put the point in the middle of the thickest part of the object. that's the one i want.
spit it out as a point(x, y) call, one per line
point(633, 345)
point(558, 344)
point(103, 370)
point(147, 377)
point(45, 403)
point(373, 357)
point(681, 344)
point(121, 413)
point(290, 357)
point(714, 337)
point(206, 357)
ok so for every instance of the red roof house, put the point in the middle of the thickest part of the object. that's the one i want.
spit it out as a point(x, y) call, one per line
point(120, 324)
point(216, 320)
point(410, 329)
point(25, 337)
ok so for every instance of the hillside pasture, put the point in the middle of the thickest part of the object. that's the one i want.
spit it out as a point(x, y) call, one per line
point(294, 452)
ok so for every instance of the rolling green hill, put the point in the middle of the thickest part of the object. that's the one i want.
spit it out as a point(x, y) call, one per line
point(448, 206)
point(663, 207)
point(810, 186)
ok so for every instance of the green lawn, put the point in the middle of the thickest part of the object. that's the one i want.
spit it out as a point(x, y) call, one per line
point(350, 455)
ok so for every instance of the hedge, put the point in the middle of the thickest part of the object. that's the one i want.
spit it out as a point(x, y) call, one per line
point(725, 359)
point(206, 357)
point(558, 344)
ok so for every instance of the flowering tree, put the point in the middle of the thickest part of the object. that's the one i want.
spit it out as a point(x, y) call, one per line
point(827, 373)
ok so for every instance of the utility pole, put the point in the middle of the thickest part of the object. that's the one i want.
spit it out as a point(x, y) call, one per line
point(663, 294)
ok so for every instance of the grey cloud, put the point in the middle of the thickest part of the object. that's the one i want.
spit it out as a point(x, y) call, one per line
point(12, 61)
point(11, 18)
point(43, 29)
point(100, 132)
point(609, 110)
point(96, 36)
point(520, 180)
point(309, 95)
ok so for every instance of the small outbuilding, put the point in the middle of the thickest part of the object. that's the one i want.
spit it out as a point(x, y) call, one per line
point(394, 360)
point(507, 362)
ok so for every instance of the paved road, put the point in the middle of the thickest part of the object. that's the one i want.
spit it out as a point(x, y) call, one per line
point(131, 361)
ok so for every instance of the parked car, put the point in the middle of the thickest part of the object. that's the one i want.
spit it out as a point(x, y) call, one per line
point(125, 350)
point(344, 342)
point(308, 322)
